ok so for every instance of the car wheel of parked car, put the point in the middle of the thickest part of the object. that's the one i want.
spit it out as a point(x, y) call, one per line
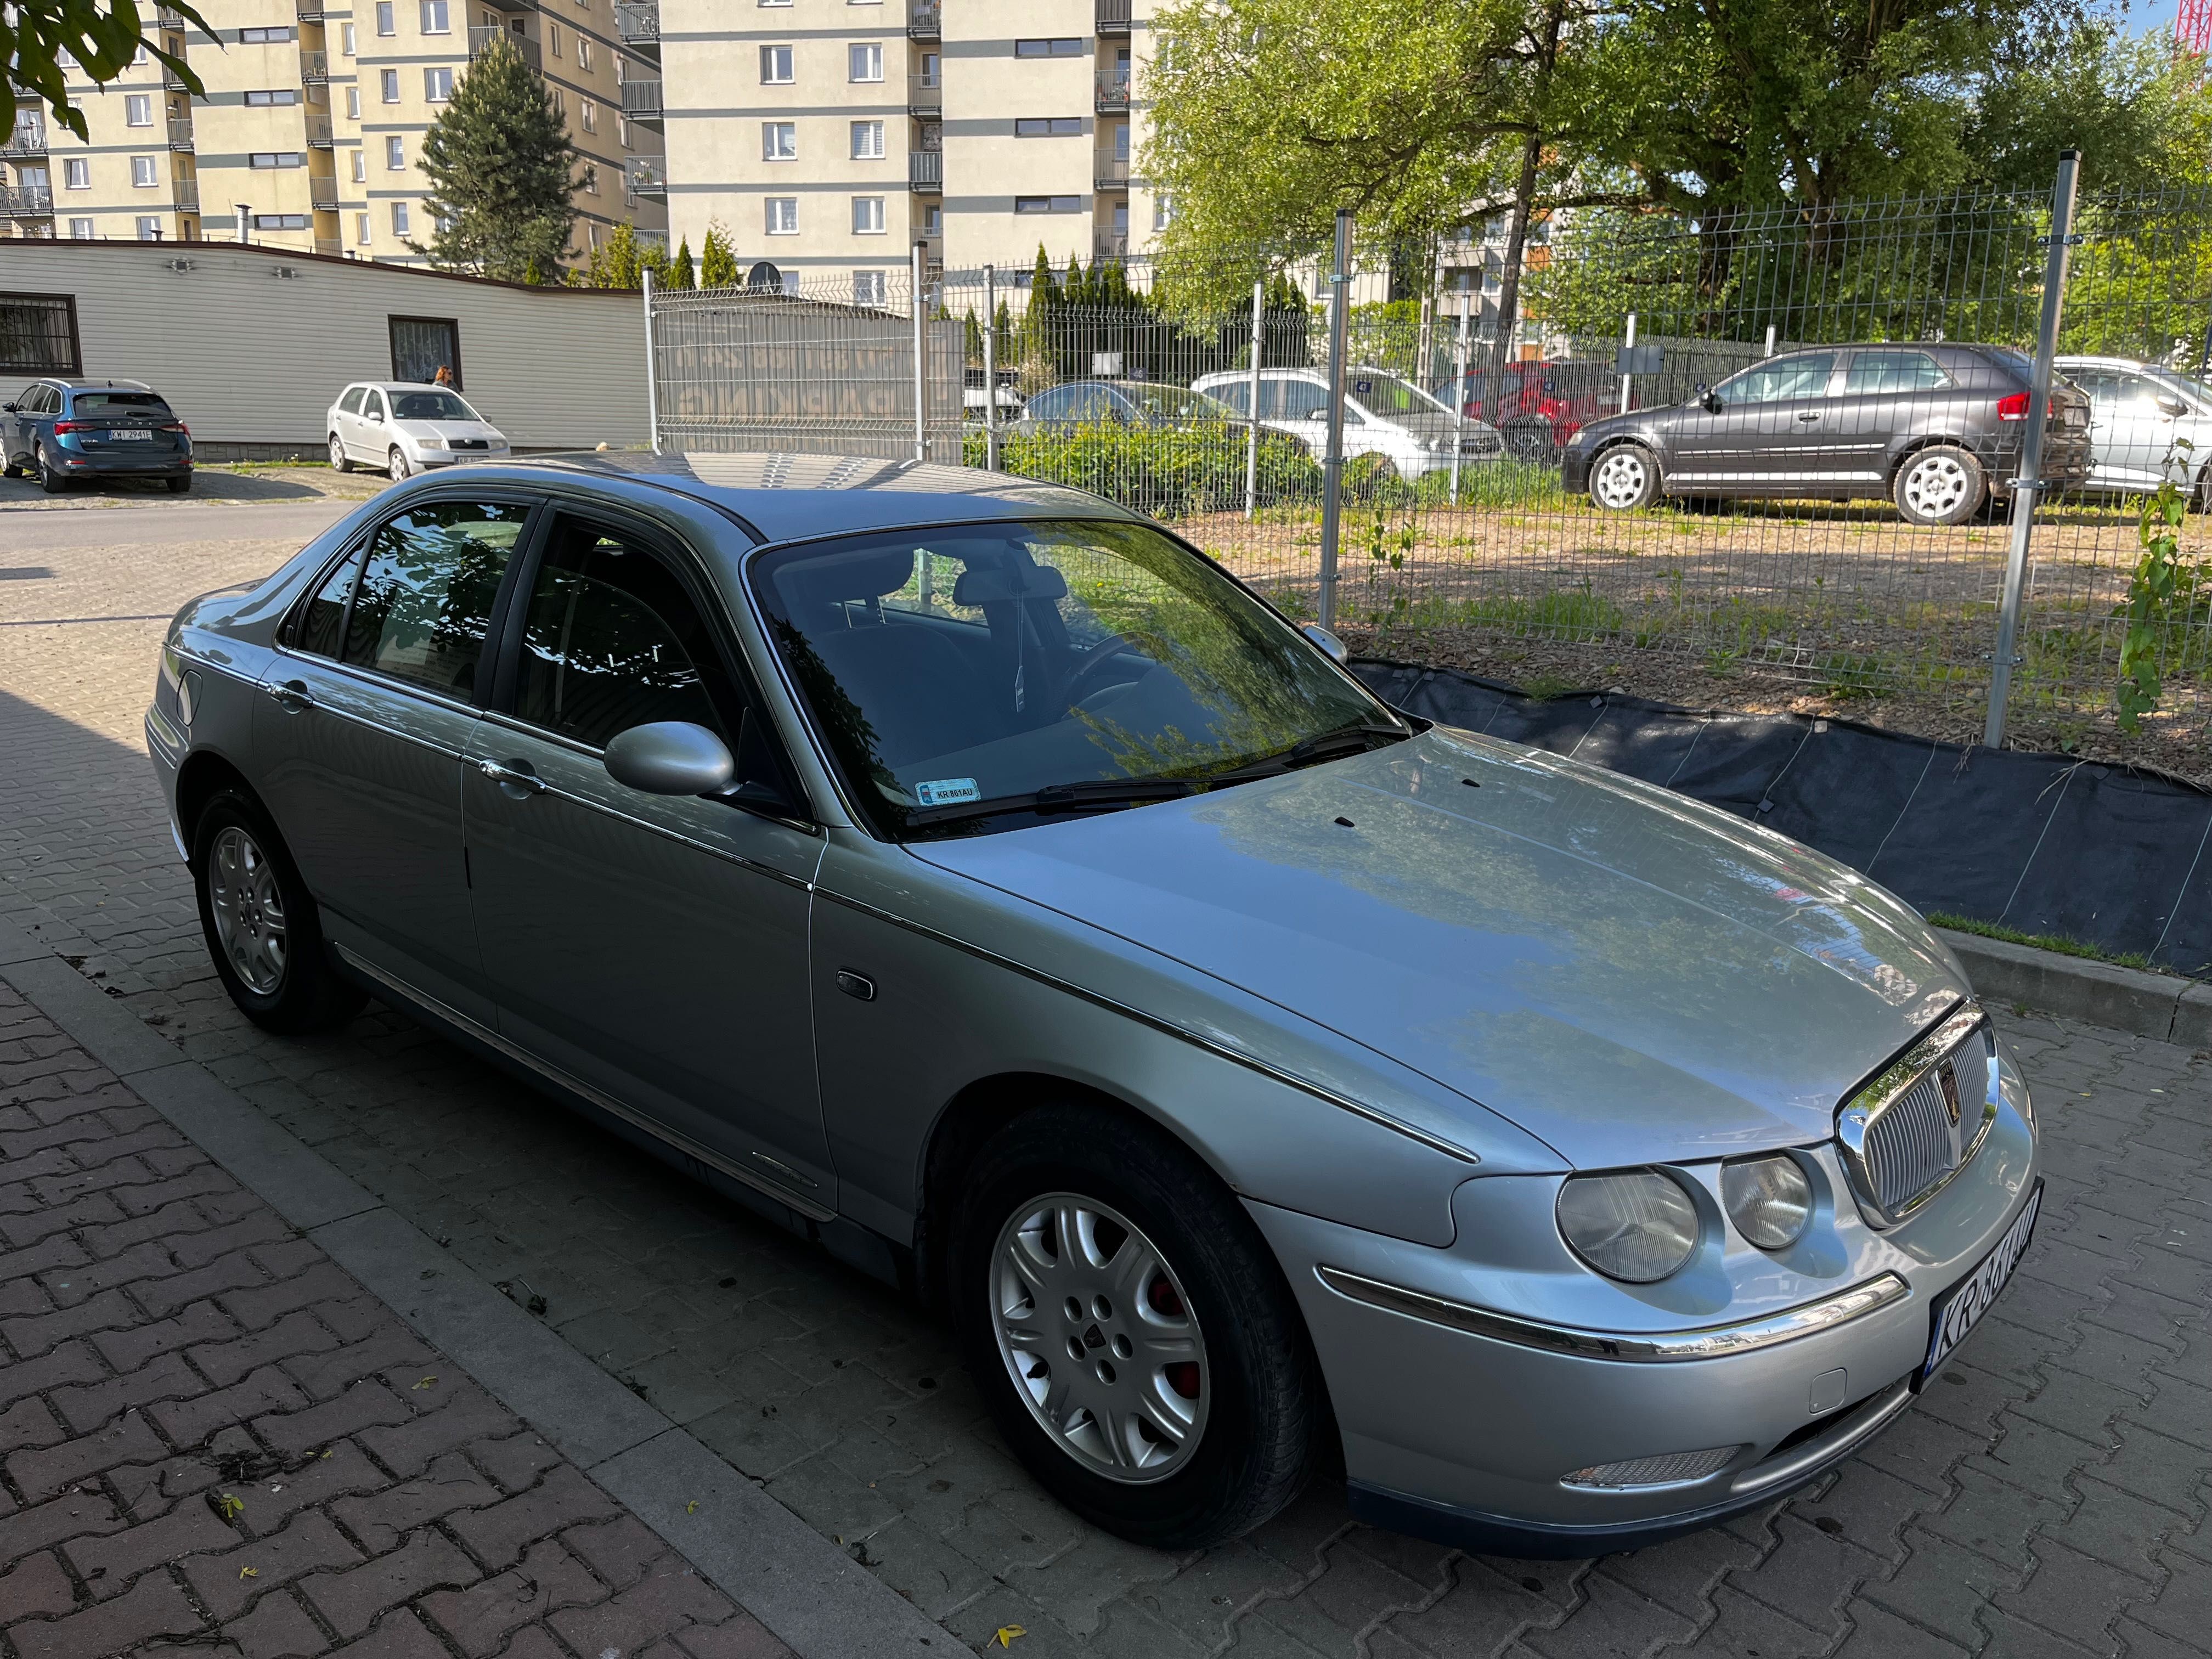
point(1625, 478)
point(1940, 484)
point(339, 460)
point(396, 463)
point(51, 482)
point(1130, 1330)
point(261, 926)
point(178, 486)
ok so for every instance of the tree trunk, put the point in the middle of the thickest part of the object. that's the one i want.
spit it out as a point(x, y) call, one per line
point(1508, 279)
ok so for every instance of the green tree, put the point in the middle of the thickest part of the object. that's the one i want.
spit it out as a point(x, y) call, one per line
point(500, 167)
point(718, 265)
point(613, 263)
point(37, 37)
point(680, 272)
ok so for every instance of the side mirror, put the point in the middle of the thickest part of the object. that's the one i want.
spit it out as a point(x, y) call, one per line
point(670, 757)
point(2172, 406)
point(7, 409)
point(1327, 640)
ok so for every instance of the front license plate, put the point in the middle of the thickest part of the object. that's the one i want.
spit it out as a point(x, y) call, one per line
point(130, 437)
point(1969, 1298)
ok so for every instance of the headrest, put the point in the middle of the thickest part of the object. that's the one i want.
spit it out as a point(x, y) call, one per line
point(838, 577)
point(999, 584)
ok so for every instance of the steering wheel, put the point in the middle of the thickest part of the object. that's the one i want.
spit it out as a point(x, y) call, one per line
point(1089, 666)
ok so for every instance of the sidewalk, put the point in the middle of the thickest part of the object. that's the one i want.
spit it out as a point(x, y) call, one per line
point(211, 1437)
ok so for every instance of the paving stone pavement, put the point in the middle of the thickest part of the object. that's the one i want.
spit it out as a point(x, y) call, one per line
point(2048, 1495)
point(211, 1437)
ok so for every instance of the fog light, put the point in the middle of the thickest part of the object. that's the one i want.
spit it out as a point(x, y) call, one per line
point(1636, 1226)
point(1673, 1469)
point(1769, 1200)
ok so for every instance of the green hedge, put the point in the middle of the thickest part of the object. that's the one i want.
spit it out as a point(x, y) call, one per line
point(1169, 472)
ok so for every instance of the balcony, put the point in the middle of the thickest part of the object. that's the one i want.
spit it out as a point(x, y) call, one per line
point(1113, 16)
point(331, 245)
point(323, 195)
point(925, 171)
point(1114, 91)
point(184, 195)
point(309, 13)
point(318, 133)
point(314, 68)
point(646, 175)
point(1112, 171)
point(180, 133)
point(1110, 244)
point(483, 39)
point(638, 22)
point(166, 19)
point(29, 138)
point(925, 97)
point(924, 21)
point(641, 100)
point(25, 200)
point(172, 82)
point(648, 239)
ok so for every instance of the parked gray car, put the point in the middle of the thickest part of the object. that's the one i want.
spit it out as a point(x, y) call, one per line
point(968, 874)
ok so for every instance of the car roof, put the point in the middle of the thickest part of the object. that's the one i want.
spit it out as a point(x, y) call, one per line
point(86, 382)
point(786, 495)
point(396, 386)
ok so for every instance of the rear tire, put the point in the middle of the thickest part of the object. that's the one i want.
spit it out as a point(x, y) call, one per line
point(261, 926)
point(1625, 478)
point(1940, 484)
point(340, 462)
point(1170, 1309)
point(48, 480)
point(179, 486)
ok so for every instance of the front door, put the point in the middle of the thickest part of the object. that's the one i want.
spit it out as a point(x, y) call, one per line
point(2133, 426)
point(1773, 420)
point(650, 946)
point(359, 735)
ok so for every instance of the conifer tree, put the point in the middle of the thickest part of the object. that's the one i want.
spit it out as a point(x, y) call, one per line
point(502, 175)
point(718, 266)
point(680, 274)
point(613, 264)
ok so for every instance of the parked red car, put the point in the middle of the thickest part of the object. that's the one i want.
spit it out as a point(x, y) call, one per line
point(1541, 405)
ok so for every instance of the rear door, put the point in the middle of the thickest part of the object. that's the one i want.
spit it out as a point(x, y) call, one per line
point(1888, 392)
point(369, 439)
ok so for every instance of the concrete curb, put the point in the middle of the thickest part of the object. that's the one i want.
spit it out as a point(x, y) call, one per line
point(813, 1596)
point(2160, 1005)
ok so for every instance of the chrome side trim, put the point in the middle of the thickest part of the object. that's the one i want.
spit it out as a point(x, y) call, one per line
point(810, 1208)
point(1710, 1342)
point(1857, 1117)
point(1862, 1424)
point(1166, 1028)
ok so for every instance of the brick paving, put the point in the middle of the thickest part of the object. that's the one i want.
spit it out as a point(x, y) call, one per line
point(2047, 1496)
point(212, 1438)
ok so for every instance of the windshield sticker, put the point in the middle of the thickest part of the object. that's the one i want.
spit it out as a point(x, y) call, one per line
point(946, 792)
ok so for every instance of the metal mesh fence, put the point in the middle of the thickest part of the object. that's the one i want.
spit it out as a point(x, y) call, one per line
point(1824, 419)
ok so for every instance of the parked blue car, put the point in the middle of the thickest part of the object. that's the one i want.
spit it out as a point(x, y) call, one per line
point(64, 429)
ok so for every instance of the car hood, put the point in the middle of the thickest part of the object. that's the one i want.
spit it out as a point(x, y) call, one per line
point(1623, 973)
point(449, 428)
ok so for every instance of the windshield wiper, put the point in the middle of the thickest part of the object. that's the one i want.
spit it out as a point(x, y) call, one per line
point(1352, 739)
point(1091, 794)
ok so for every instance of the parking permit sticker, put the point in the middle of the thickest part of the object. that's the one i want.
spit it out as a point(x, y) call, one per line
point(946, 792)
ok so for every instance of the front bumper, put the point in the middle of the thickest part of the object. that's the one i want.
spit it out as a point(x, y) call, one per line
point(1467, 1437)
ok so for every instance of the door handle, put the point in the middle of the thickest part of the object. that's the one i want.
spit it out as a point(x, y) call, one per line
point(292, 696)
point(1810, 415)
point(511, 775)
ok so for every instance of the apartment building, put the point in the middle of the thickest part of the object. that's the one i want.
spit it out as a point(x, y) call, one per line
point(309, 132)
point(827, 137)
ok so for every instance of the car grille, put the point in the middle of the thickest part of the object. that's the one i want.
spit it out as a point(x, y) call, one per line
point(468, 443)
point(1480, 443)
point(1909, 1129)
point(1911, 1146)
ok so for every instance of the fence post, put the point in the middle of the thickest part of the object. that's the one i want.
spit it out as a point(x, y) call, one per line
point(2027, 482)
point(652, 374)
point(1331, 483)
point(1627, 345)
point(990, 367)
point(1252, 404)
point(1770, 340)
point(1459, 399)
point(920, 356)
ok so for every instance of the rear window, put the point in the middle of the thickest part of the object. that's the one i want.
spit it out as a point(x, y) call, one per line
point(118, 403)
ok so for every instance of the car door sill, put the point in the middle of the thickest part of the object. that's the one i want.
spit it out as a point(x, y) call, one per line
point(812, 1209)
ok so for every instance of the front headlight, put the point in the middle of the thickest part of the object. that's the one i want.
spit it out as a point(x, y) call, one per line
point(1769, 1200)
point(429, 443)
point(1636, 1226)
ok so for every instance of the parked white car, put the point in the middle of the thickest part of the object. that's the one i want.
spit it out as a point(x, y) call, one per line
point(404, 427)
point(2140, 416)
point(1385, 416)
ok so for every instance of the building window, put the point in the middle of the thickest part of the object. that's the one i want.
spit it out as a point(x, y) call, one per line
point(587, 114)
point(392, 86)
point(361, 166)
point(264, 37)
point(1063, 45)
point(622, 130)
point(353, 103)
point(1047, 205)
point(1162, 212)
point(775, 2)
point(266, 160)
point(591, 179)
point(386, 18)
point(779, 141)
point(584, 54)
point(775, 66)
point(38, 331)
point(864, 61)
point(553, 39)
point(867, 216)
point(783, 216)
point(76, 173)
point(395, 153)
point(1049, 126)
point(141, 172)
point(560, 103)
point(933, 220)
point(138, 109)
point(867, 285)
point(400, 218)
point(361, 231)
point(280, 221)
point(150, 228)
point(867, 140)
point(437, 84)
point(274, 98)
point(436, 19)
point(346, 38)
point(81, 229)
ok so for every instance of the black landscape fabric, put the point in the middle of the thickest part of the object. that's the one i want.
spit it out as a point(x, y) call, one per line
point(2115, 858)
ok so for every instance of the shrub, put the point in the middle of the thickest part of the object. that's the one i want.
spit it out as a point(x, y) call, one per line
point(1169, 472)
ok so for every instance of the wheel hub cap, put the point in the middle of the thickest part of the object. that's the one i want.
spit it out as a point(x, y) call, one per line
point(1099, 1338)
point(1934, 487)
point(1620, 479)
point(248, 908)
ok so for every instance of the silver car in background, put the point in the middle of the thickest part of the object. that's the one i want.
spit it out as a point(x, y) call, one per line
point(2147, 423)
point(401, 428)
point(1392, 429)
point(969, 875)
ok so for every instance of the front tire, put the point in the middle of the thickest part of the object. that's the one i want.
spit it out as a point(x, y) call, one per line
point(1625, 479)
point(340, 461)
point(1130, 1330)
point(396, 464)
point(261, 926)
point(1940, 484)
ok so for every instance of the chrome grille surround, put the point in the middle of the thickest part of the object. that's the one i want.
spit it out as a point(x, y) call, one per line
point(1906, 1132)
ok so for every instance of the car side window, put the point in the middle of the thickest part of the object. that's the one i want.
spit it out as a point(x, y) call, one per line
point(612, 640)
point(2095, 381)
point(1786, 377)
point(2137, 393)
point(351, 402)
point(1235, 393)
point(425, 601)
point(372, 406)
point(1300, 400)
point(1873, 372)
point(321, 627)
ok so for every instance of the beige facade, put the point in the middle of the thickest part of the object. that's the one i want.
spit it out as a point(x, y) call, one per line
point(309, 132)
point(826, 137)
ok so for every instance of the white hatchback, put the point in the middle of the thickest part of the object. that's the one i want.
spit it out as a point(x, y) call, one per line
point(1409, 432)
point(405, 426)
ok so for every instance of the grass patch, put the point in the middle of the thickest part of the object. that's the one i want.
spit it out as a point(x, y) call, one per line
point(2059, 942)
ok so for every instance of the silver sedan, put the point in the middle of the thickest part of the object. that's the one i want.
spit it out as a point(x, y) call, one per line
point(970, 876)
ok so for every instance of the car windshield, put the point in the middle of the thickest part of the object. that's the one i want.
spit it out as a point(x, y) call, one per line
point(430, 406)
point(2187, 385)
point(118, 403)
point(1175, 403)
point(1386, 394)
point(959, 674)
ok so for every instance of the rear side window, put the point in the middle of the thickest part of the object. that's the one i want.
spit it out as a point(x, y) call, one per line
point(322, 624)
point(426, 594)
point(1873, 372)
point(1292, 400)
point(351, 402)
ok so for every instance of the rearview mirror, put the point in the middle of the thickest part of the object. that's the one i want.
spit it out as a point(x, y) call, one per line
point(669, 757)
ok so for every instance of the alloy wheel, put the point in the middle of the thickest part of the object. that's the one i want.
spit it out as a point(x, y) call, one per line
point(338, 455)
point(1619, 482)
point(1099, 1338)
point(249, 910)
point(396, 465)
point(1935, 487)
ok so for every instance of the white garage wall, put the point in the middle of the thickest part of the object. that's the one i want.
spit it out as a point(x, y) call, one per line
point(248, 357)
